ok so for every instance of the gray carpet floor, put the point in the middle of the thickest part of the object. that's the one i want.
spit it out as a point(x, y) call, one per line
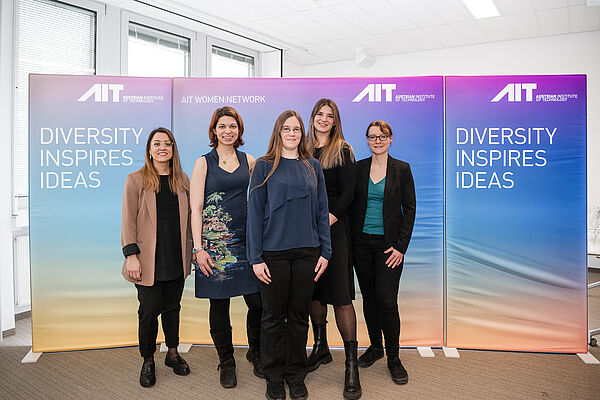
point(113, 374)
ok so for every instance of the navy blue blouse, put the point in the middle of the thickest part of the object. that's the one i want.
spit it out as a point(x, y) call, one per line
point(289, 211)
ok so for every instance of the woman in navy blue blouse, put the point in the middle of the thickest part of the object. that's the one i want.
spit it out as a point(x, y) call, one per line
point(288, 244)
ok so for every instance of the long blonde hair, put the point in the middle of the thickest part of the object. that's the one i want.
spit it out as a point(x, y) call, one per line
point(276, 145)
point(332, 154)
point(177, 180)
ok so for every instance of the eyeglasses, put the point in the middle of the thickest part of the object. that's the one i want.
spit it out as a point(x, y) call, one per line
point(287, 129)
point(382, 138)
point(156, 144)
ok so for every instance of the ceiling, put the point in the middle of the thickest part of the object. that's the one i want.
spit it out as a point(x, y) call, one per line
point(317, 31)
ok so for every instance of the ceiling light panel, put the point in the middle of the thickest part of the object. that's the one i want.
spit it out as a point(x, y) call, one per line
point(482, 8)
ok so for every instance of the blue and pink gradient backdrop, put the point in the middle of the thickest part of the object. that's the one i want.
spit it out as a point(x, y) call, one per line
point(516, 258)
point(418, 139)
point(78, 297)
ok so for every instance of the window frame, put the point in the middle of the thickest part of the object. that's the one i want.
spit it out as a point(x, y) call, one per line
point(212, 41)
point(21, 201)
point(127, 17)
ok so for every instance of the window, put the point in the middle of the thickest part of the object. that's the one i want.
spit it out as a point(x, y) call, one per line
point(52, 38)
point(152, 52)
point(231, 64)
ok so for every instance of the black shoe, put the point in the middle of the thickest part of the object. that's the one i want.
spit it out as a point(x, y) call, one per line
point(180, 367)
point(275, 390)
point(298, 390)
point(352, 389)
point(227, 376)
point(370, 356)
point(147, 376)
point(320, 352)
point(399, 374)
point(254, 357)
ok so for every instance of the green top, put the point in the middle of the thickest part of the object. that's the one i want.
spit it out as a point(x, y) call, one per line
point(373, 224)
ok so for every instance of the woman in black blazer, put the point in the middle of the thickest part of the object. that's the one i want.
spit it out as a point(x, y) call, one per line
point(382, 220)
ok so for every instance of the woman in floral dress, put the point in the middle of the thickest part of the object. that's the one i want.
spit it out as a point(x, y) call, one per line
point(218, 200)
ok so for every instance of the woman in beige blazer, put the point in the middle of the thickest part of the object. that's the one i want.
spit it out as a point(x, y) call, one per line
point(156, 240)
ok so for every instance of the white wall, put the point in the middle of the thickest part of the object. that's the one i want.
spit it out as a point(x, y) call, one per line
point(7, 307)
point(565, 54)
point(271, 64)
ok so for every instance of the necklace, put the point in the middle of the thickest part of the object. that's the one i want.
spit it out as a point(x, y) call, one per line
point(227, 159)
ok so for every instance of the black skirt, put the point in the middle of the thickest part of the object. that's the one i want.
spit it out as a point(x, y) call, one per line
point(336, 285)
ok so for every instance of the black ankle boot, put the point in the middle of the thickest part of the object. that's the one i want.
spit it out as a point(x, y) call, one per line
point(372, 354)
point(397, 370)
point(253, 355)
point(352, 389)
point(320, 352)
point(227, 376)
point(224, 346)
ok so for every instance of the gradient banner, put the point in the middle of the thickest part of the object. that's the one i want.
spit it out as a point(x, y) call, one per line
point(516, 213)
point(413, 106)
point(86, 133)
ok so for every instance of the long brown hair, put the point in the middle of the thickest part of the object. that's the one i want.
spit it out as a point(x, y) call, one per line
point(225, 112)
point(177, 180)
point(276, 145)
point(331, 156)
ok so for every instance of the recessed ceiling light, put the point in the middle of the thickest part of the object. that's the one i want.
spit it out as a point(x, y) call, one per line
point(482, 8)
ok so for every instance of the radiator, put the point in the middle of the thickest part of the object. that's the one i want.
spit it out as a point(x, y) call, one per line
point(21, 271)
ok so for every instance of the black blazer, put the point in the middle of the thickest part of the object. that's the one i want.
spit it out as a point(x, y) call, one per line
point(399, 202)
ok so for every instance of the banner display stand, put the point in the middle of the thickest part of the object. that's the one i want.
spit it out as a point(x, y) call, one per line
point(516, 266)
point(514, 200)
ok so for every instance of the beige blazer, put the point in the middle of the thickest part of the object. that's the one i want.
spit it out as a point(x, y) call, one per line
point(138, 225)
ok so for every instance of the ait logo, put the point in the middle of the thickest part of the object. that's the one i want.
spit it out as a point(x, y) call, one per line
point(374, 91)
point(100, 91)
point(514, 92)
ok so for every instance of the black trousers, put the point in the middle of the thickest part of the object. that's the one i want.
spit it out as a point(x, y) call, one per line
point(164, 299)
point(379, 287)
point(286, 304)
point(220, 324)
